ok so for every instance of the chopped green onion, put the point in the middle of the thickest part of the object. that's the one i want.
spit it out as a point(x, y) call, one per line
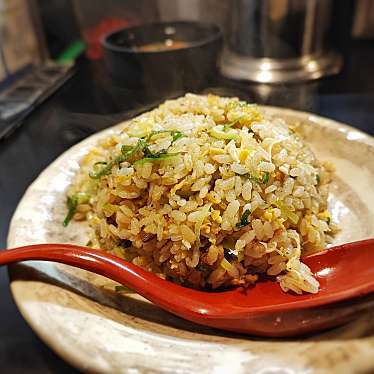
point(177, 135)
point(219, 133)
point(318, 179)
point(153, 157)
point(252, 178)
point(226, 265)
point(162, 157)
point(99, 163)
point(227, 126)
point(83, 197)
point(126, 153)
point(237, 103)
point(265, 178)
point(153, 133)
point(72, 202)
point(106, 169)
point(126, 148)
point(286, 212)
point(123, 289)
point(148, 154)
point(328, 220)
point(243, 219)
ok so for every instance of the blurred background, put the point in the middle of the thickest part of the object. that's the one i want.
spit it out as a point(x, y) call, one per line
point(265, 41)
point(270, 49)
point(50, 26)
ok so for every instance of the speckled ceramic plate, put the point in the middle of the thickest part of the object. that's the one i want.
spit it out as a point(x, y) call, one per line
point(80, 317)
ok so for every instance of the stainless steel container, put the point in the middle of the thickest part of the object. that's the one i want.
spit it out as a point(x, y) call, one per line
point(276, 41)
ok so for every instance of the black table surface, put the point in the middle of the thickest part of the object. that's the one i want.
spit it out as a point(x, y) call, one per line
point(89, 102)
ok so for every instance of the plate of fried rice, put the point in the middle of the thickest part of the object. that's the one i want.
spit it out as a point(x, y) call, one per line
point(209, 192)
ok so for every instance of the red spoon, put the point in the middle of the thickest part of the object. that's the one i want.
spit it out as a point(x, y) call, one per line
point(345, 273)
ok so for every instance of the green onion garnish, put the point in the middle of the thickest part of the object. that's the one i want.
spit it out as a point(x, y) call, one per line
point(265, 178)
point(227, 126)
point(243, 219)
point(177, 135)
point(286, 212)
point(72, 202)
point(123, 289)
point(162, 157)
point(128, 152)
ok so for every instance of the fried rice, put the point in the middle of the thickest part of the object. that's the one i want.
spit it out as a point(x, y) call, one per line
point(207, 191)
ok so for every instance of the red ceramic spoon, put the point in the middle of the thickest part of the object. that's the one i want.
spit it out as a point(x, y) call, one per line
point(345, 272)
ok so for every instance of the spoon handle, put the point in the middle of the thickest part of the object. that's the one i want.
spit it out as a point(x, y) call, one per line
point(165, 294)
point(96, 261)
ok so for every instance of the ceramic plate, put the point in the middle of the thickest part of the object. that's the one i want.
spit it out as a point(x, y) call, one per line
point(97, 330)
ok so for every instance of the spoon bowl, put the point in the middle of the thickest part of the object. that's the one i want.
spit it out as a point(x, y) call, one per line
point(345, 273)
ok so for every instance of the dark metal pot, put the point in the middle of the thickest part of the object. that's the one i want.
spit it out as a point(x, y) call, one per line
point(189, 67)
